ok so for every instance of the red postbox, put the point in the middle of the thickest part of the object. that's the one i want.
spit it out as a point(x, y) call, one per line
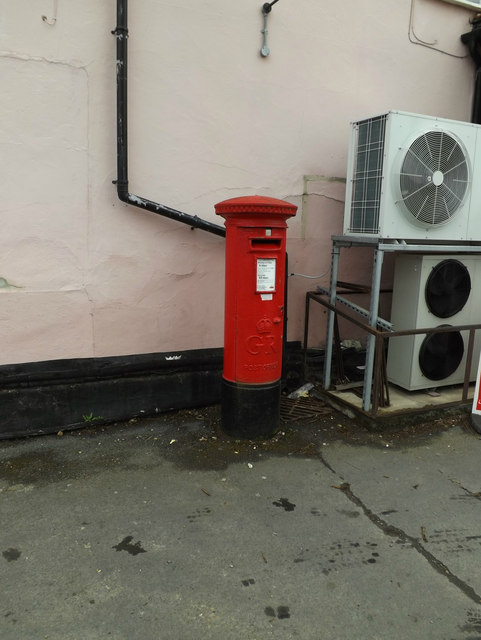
point(254, 313)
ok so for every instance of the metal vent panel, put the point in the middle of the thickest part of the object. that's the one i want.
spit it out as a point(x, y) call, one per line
point(367, 178)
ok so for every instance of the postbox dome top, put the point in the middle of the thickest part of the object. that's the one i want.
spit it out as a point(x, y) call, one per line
point(255, 205)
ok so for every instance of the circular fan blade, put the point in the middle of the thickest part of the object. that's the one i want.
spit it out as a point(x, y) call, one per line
point(434, 178)
point(447, 288)
point(441, 354)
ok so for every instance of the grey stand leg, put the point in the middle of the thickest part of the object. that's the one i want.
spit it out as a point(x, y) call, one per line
point(330, 317)
point(371, 340)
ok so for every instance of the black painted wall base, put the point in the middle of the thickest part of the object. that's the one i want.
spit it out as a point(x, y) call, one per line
point(46, 397)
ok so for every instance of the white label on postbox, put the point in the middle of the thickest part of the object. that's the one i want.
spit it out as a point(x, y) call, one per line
point(266, 275)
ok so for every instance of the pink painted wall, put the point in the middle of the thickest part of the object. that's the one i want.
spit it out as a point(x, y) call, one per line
point(82, 274)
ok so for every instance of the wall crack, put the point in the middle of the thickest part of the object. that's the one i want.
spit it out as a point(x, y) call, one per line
point(28, 58)
point(326, 197)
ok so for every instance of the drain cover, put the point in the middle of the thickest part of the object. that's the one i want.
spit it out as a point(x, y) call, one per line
point(302, 408)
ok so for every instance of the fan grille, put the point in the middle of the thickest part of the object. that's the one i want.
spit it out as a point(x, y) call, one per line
point(434, 178)
point(447, 288)
point(440, 354)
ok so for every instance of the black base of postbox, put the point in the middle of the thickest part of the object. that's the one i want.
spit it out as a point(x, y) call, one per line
point(250, 411)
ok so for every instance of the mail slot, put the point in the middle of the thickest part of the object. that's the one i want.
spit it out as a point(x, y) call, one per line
point(254, 313)
point(266, 243)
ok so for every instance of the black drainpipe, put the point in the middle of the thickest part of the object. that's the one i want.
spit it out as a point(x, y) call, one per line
point(121, 32)
point(473, 41)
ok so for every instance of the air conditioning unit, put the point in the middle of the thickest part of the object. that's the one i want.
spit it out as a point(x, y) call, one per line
point(431, 291)
point(410, 177)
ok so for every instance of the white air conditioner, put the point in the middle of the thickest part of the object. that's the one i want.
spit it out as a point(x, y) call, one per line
point(431, 291)
point(414, 177)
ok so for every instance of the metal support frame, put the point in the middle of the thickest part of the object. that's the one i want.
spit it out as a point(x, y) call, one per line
point(383, 324)
point(375, 340)
point(331, 315)
point(380, 338)
point(371, 339)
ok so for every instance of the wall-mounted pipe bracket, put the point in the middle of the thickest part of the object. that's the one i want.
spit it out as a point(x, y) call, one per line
point(266, 9)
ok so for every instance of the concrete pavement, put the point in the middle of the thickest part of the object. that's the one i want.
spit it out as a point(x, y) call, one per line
point(165, 529)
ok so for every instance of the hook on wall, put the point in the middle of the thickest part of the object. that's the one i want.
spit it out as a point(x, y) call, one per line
point(266, 9)
point(51, 21)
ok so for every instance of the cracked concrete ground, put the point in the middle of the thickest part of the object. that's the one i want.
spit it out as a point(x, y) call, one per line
point(165, 529)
